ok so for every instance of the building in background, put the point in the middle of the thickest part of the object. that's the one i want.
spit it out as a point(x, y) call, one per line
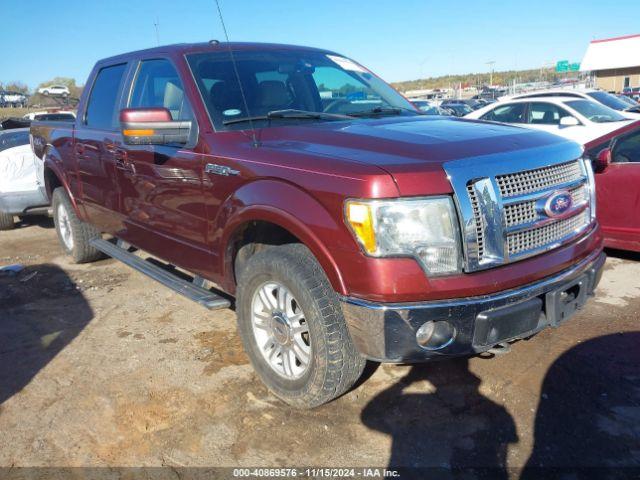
point(614, 62)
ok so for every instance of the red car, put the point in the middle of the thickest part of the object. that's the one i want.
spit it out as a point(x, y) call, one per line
point(616, 158)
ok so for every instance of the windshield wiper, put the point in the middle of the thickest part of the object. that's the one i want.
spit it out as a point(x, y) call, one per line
point(377, 111)
point(290, 114)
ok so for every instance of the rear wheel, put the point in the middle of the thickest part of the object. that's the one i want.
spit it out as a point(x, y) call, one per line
point(74, 234)
point(6, 221)
point(292, 327)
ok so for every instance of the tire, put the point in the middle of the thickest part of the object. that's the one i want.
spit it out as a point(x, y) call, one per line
point(333, 364)
point(46, 93)
point(6, 221)
point(74, 234)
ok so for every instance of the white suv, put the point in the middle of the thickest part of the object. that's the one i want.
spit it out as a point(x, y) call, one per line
point(594, 95)
point(56, 90)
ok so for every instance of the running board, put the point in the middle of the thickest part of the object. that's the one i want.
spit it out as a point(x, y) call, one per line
point(204, 297)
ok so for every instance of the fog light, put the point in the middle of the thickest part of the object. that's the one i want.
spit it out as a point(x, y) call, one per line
point(435, 335)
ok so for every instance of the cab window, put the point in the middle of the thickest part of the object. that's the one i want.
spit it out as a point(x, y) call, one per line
point(511, 113)
point(158, 84)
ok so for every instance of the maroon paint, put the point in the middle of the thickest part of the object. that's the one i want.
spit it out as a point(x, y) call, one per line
point(297, 178)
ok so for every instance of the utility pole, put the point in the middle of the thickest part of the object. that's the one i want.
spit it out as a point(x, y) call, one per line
point(491, 63)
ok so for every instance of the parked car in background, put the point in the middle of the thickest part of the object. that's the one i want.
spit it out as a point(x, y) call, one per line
point(471, 103)
point(429, 108)
point(632, 92)
point(64, 116)
point(457, 109)
point(608, 99)
point(22, 187)
point(616, 160)
point(55, 90)
point(574, 118)
point(13, 99)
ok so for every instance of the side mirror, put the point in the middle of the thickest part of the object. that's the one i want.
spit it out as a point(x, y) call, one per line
point(569, 122)
point(603, 160)
point(153, 126)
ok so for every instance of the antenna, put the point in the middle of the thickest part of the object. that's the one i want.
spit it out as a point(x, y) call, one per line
point(235, 69)
point(156, 24)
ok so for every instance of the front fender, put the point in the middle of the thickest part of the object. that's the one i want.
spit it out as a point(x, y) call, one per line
point(291, 208)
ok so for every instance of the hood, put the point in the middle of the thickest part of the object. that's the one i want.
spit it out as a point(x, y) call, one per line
point(413, 149)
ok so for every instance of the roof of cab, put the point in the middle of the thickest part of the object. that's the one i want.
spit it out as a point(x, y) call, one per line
point(213, 46)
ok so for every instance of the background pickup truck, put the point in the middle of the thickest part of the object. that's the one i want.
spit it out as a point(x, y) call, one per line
point(346, 225)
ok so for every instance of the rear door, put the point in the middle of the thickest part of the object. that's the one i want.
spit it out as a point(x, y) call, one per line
point(618, 194)
point(161, 185)
point(96, 130)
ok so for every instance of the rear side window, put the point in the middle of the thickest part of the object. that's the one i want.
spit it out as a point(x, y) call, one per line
point(512, 113)
point(627, 149)
point(101, 108)
point(157, 84)
point(546, 113)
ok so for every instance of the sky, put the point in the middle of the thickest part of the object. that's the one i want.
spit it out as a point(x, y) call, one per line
point(399, 39)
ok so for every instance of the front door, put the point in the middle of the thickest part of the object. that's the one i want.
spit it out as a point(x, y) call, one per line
point(161, 185)
point(618, 194)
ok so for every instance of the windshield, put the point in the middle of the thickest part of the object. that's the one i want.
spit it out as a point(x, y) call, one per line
point(628, 100)
point(595, 112)
point(298, 80)
point(609, 100)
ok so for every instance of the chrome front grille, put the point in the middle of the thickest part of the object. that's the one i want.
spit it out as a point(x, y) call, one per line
point(505, 214)
point(539, 179)
point(548, 235)
point(478, 218)
point(526, 212)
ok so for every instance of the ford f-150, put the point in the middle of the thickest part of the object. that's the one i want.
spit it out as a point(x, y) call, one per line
point(345, 225)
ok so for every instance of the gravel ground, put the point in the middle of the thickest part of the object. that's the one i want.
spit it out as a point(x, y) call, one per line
point(100, 366)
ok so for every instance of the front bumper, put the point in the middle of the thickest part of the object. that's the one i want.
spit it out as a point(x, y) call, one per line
point(387, 332)
point(17, 203)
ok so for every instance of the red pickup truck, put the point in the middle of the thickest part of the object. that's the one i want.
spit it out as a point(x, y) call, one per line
point(346, 225)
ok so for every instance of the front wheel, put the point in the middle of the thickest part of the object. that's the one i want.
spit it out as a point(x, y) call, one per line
point(292, 327)
point(6, 221)
point(75, 235)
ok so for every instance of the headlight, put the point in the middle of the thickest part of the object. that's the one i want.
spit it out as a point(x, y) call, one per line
point(423, 228)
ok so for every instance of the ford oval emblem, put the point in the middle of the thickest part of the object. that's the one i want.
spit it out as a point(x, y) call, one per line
point(558, 203)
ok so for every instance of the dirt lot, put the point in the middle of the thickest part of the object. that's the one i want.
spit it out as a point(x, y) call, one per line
point(100, 366)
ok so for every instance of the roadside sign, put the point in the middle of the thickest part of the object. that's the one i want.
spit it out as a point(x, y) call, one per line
point(574, 67)
point(562, 66)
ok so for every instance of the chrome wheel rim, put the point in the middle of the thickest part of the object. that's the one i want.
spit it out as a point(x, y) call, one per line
point(281, 331)
point(64, 226)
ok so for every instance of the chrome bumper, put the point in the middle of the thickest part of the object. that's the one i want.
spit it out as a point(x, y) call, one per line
point(387, 331)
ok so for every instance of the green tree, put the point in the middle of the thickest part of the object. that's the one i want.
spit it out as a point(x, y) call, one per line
point(15, 87)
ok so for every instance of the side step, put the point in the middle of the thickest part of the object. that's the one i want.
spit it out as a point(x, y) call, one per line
point(193, 292)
